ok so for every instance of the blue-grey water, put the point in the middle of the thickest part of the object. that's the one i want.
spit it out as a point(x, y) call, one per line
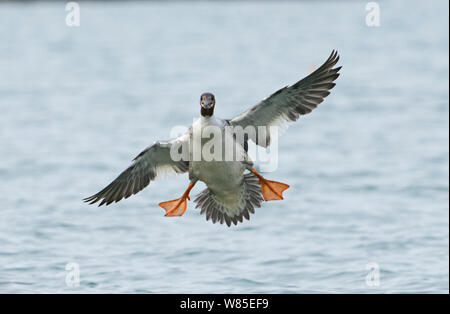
point(368, 169)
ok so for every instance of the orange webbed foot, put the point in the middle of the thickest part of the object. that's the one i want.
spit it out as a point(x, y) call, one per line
point(178, 206)
point(175, 207)
point(271, 190)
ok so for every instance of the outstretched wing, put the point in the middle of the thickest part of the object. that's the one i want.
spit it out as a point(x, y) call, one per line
point(288, 103)
point(152, 161)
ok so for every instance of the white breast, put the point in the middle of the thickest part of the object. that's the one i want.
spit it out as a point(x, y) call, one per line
point(223, 177)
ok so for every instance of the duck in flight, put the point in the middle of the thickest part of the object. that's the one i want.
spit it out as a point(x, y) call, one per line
point(234, 187)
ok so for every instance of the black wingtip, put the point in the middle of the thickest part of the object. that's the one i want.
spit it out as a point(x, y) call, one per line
point(91, 199)
point(334, 56)
point(87, 199)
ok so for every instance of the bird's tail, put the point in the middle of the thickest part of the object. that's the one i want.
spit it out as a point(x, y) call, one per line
point(218, 211)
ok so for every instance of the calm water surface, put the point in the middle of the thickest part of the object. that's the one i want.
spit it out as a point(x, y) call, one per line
point(368, 170)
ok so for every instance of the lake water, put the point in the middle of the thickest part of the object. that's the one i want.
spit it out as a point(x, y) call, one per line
point(368, 169)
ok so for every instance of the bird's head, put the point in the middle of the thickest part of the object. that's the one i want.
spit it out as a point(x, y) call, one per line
point(207, 103)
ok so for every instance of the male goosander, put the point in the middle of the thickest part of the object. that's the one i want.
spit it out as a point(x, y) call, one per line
point(234, 187)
